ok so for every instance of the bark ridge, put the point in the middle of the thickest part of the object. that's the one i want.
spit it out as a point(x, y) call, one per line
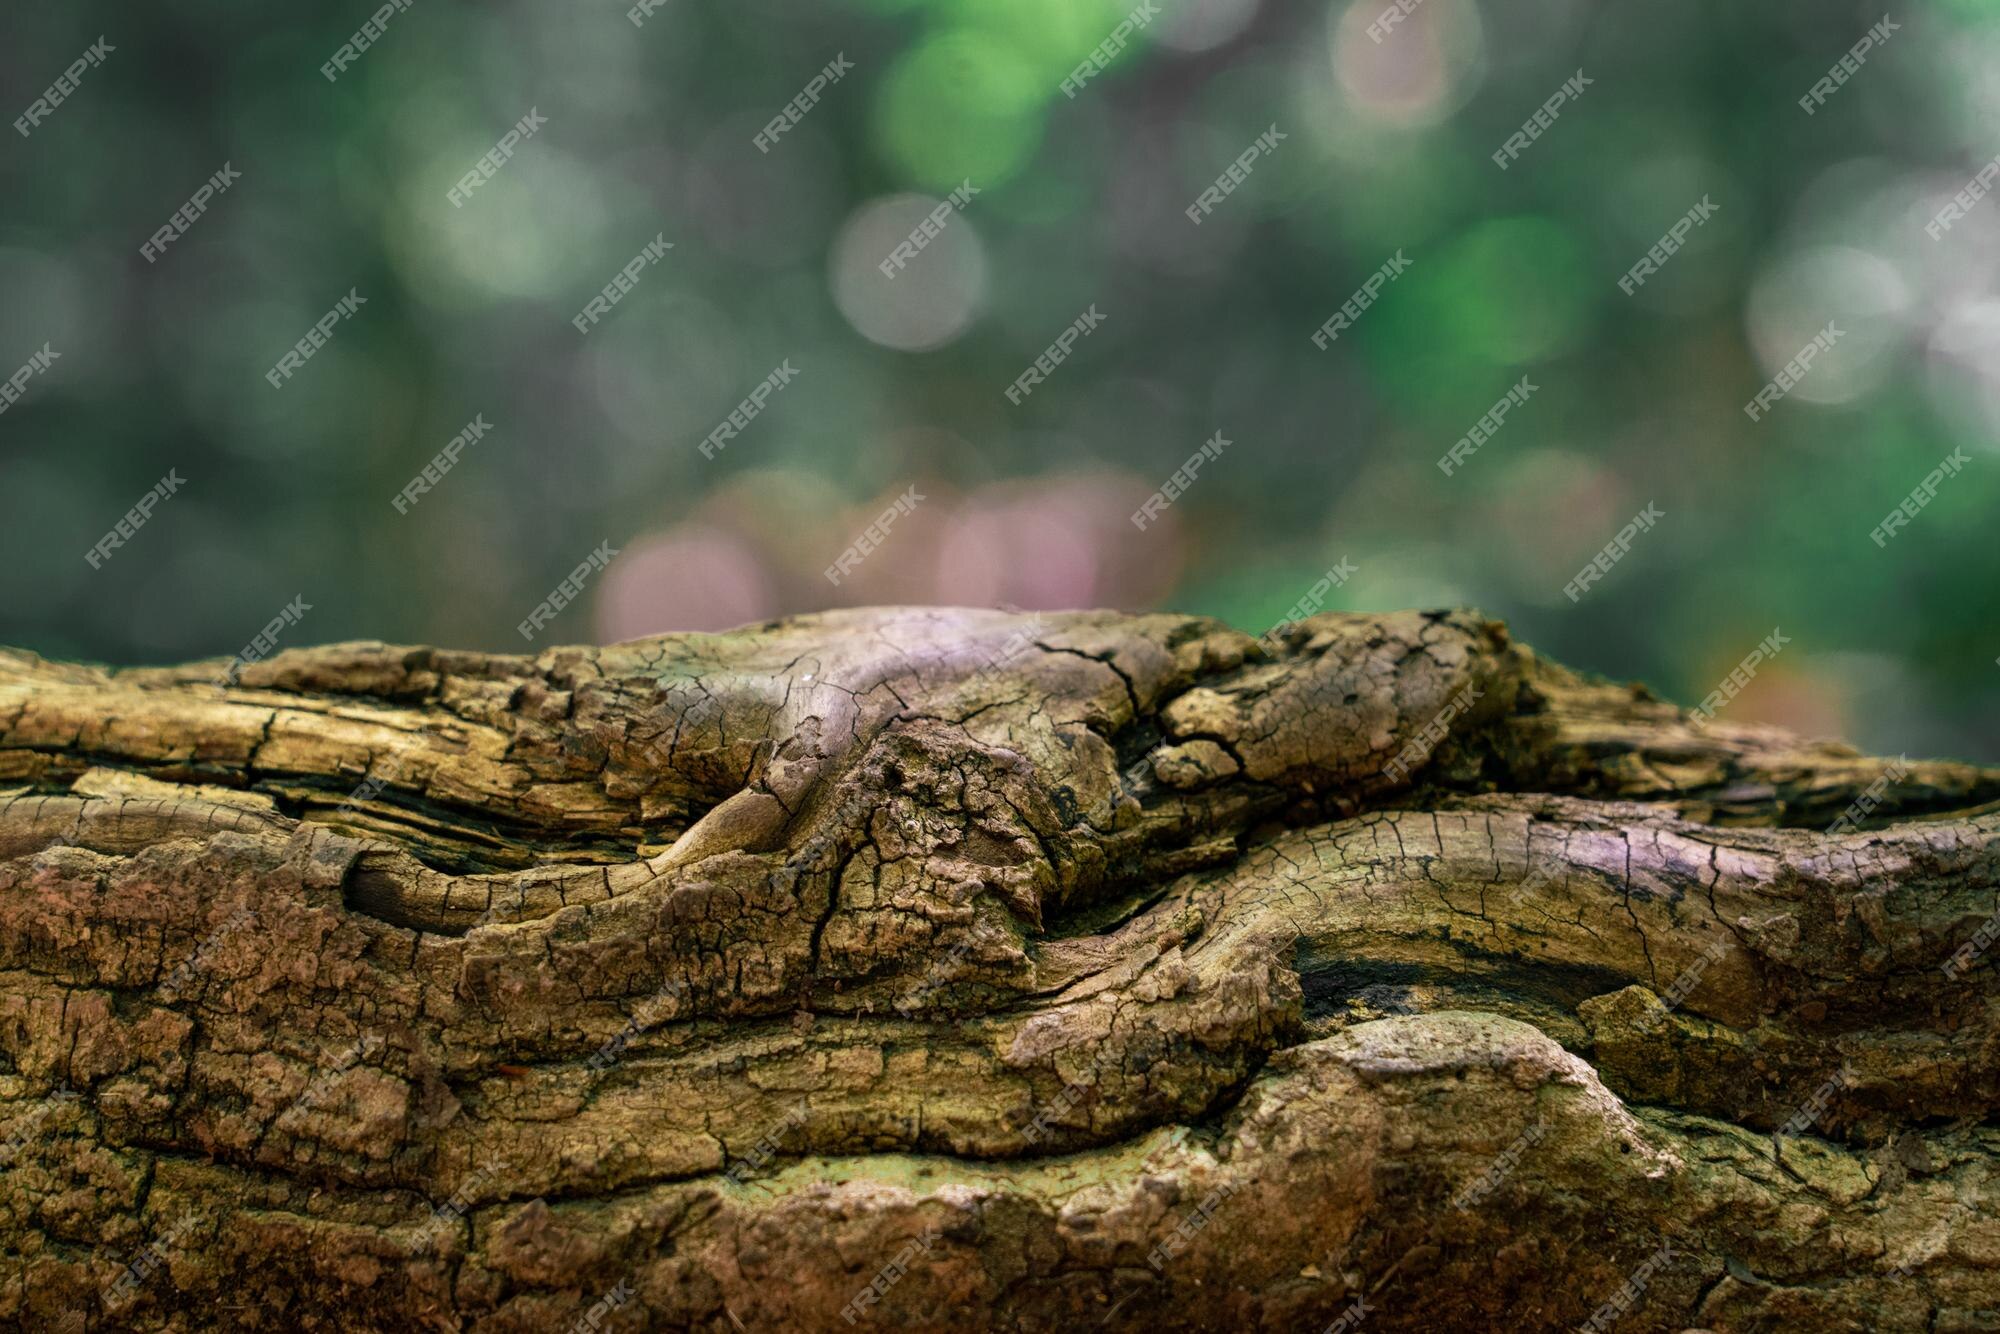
point(958, 969)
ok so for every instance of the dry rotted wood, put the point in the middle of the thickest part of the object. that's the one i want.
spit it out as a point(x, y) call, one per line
point(935, 969)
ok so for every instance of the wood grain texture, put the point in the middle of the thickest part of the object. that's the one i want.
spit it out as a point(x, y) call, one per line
point(948, 969)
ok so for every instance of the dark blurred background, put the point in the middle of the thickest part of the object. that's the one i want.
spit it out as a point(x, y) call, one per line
point(1387, 146)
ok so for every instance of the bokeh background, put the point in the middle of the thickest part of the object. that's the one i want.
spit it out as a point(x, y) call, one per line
point(594, 438)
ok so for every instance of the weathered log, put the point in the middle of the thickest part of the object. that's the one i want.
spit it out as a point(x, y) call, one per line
point(940, 969)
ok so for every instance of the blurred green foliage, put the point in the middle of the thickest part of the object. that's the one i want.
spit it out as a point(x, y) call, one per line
point(1080, 201)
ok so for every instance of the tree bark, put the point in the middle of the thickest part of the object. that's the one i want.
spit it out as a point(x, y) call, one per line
point(958, 970)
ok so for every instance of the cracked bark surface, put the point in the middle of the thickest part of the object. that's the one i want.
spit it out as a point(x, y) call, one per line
point(1044, 973)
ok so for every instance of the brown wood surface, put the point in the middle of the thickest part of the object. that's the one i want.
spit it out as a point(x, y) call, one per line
point(960, 970)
